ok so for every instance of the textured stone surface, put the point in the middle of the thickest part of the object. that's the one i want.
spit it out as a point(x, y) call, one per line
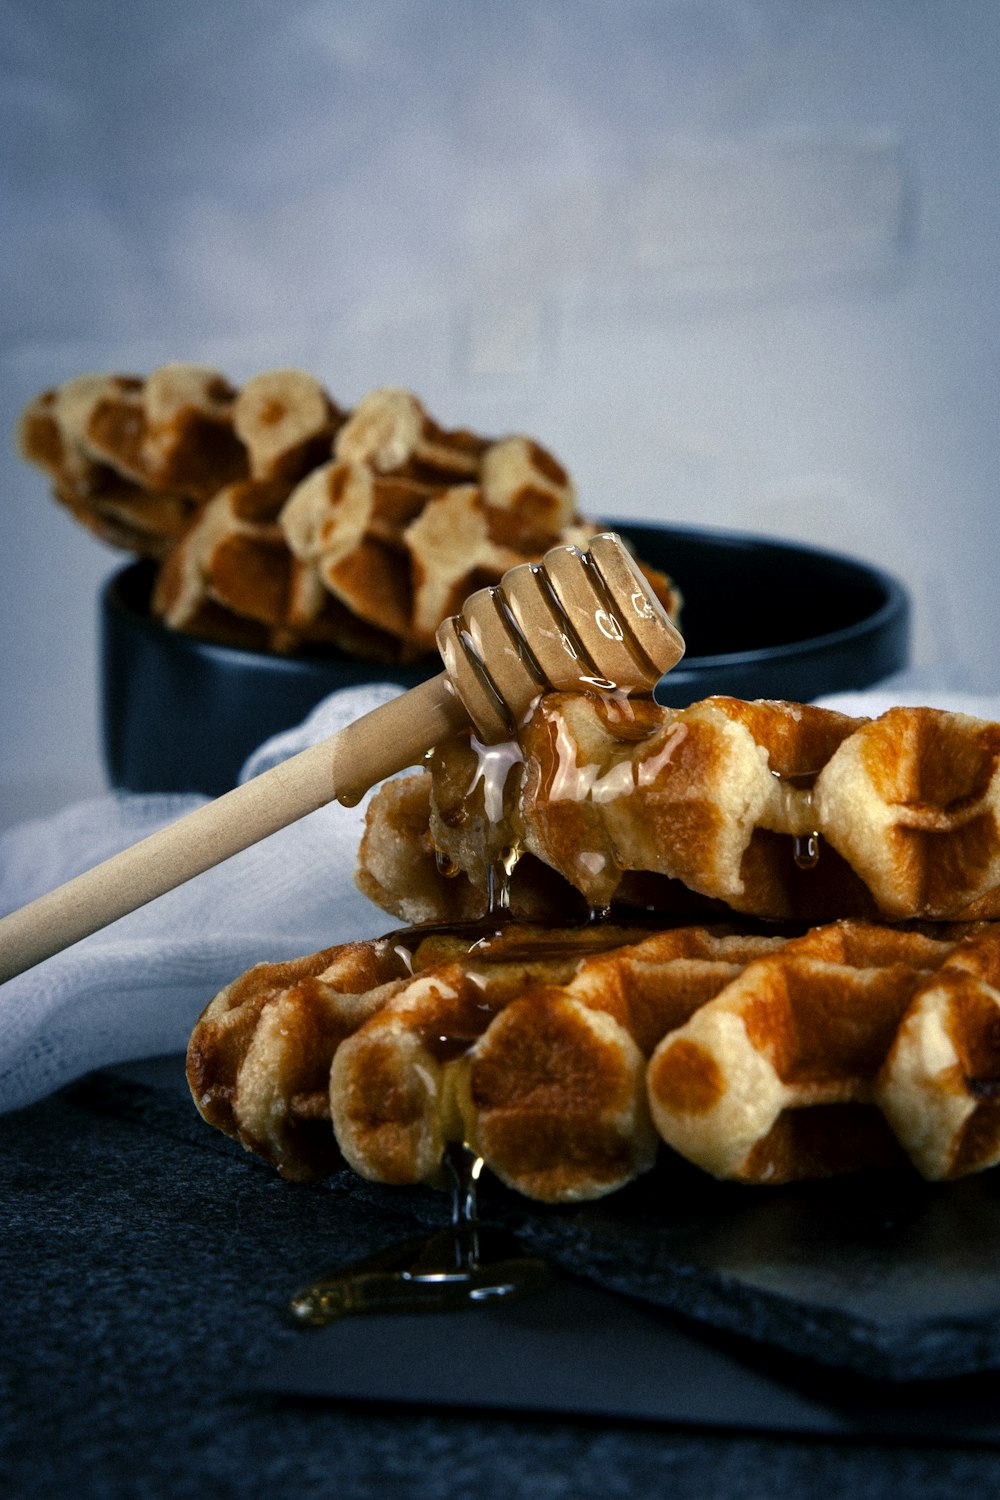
point(880, 1273)
point(146, 1265)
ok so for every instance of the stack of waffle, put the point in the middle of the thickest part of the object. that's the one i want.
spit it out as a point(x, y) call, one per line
point(795, 970)
point(282, 522)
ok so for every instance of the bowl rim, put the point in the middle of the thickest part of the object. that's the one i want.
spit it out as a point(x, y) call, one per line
point(893, 609)
point(895, 606)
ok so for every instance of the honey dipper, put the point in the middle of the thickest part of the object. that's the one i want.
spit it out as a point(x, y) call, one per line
point(576, 621)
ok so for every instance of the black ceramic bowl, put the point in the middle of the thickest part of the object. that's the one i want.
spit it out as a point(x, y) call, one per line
point(761, 619)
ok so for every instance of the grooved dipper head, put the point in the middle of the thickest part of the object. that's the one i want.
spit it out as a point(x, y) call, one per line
point(577, 621)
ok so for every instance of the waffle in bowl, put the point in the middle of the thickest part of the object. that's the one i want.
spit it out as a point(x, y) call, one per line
point(280, 521)
point(135, 458)
point(567, 1058)
point(406, 519)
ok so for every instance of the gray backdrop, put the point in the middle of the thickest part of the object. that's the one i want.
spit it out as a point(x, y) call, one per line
point(733, 260)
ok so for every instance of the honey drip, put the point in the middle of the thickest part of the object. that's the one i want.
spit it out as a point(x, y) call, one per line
point(797, 812)
point(446, 866)
point(469, 1262)
point(462, 1266)
point(498, 878)
point(805, 850)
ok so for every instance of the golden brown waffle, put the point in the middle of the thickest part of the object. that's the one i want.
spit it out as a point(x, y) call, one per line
point(562, 1056)
point(233, 577)
point(258, 1061)
point(286, 421)
point(390, 432)
point(346, 525)
point(408, 519)
point(779, 810)
point(283, 523)
point(116, 470)
point(851, 1033)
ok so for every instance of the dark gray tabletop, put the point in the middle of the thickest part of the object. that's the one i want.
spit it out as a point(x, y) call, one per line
point(147, 1265)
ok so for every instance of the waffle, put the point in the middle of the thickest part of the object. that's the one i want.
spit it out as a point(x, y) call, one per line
point(852, 1036)
point(282, 522)
point(390, 432)
point(286, 422)
point(782, 811)
point(121, 469)
point(258, 1062)
point(407, 519)
point(566, 1057)
point(233, 577)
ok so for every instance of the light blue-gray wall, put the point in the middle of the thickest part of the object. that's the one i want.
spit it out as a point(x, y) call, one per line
point(735, 261)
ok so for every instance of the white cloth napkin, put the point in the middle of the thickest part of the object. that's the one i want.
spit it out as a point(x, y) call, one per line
point(137, 988)
point(906, 690)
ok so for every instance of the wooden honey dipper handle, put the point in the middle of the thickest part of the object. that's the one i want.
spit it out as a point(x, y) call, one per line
point(342, 767)
point(564, 623)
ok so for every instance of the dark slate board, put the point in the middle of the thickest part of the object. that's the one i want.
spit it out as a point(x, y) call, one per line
point(578, 1350)
point(879, 1273)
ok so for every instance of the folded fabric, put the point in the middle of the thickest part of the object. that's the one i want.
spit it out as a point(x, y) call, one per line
point(137, 988)
point(906, 691)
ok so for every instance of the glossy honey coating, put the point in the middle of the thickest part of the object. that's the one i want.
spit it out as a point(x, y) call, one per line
point(778, 810)
point(577, 621)
point(567, 1057)
point(285, 522)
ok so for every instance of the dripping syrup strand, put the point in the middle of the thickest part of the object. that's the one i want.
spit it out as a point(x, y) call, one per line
point(462, 1266)
point(797, 787)
point(498, 878)
point(805, 850)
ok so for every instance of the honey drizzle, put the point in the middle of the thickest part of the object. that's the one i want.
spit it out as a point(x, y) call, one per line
point(462, 1266)
point(494, 764)
point(498, 878)
point(796, 791)
point(805, 850)
point(468, 1263)
point(446, 866)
